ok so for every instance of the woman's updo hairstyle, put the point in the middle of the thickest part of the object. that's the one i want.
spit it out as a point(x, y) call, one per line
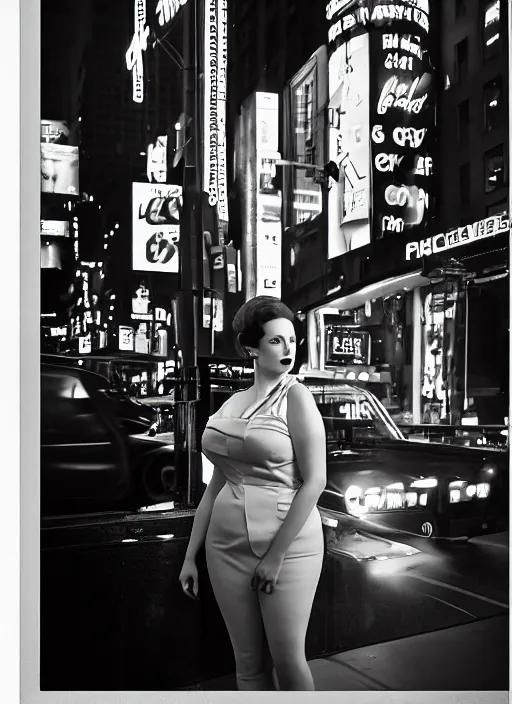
point(249, 321)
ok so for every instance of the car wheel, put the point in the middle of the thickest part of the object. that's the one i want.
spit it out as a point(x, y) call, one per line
point(158, 481)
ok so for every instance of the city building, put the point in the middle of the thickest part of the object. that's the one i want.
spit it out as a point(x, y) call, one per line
point(391, 167)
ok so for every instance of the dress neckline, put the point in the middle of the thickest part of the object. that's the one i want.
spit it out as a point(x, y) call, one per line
point(252, 408)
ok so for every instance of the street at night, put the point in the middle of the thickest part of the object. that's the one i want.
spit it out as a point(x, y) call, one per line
point(275, 346)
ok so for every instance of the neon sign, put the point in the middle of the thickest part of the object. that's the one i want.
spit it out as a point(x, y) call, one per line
point(134, 55)
point(416, 14)
point(395, 94)
point(167, 9)
point(490, 227)
point(215, 61)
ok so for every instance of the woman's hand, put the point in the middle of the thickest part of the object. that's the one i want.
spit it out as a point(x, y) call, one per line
point(266, 574)
point(189, 579)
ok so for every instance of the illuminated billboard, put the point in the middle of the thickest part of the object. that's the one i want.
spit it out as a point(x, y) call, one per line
point(402, 120)
point(156, 227)
point(156, 166)
point(268, 198)
point(54, 228)
point(59, 169)
point(349, 146)
point(214, 119)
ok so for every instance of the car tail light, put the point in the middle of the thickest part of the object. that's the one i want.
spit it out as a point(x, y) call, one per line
point(461, 491)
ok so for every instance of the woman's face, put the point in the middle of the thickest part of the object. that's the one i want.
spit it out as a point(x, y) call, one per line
point(277, 348)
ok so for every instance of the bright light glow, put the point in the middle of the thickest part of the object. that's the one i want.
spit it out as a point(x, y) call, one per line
point(471, 490)
point(423, 499)
point(351, 375)
point(116, 226)
point(492, 14)
point(363, 376)
point(455, 496)
point(398, 486)
point(177, 126)
point(352, 495)
point(411, 498)
point(425, 483)
point(493, 39)
point(493, 103)
point(483, 490)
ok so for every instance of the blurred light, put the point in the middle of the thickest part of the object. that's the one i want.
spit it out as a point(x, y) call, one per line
point(471, 490)
point(91, 198)
point(483, 490)
point(398, 486)
point(105, 246)
point(111, 232)
point(80, 119)
point(423, 499)
point(177, 126)
point(493, 103)
point(425, 483)
point(110, 317)
point(454, 496)
point(111, 307)
point(143, 153)
point(351, 375)
point(411, 498)
point(116, 226)
point(363, 376)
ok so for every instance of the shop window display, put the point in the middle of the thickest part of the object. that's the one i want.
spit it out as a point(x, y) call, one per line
point(374, 344)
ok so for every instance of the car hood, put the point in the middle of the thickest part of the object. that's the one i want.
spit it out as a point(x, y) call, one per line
point(402, 460)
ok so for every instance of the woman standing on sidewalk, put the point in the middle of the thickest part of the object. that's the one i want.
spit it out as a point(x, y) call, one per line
point(264, 540)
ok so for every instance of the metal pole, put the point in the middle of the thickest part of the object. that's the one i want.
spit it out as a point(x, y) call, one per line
point(187, 456)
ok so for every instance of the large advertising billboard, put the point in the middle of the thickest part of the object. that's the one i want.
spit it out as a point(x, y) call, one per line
point(59, 169)
point(349, 146)
point(268, 198)
point(156, 227)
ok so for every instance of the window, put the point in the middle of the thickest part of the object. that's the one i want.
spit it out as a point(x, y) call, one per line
point(461, 60)
point(497, 208)
point(464, 185)
point(463, 122)
point(494, 167)
point(491, 31)
point(493, 105)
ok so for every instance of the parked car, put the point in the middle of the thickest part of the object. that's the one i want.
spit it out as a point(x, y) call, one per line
point(380, 482)
point(96, 451)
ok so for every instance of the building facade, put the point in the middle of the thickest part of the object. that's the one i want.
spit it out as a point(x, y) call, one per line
point(392, 170)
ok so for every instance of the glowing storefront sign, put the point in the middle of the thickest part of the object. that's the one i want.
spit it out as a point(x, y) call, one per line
point(490, 227)
point(134, 55)
point(215, 62)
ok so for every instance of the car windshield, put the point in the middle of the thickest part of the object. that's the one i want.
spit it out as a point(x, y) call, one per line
point(352, 415)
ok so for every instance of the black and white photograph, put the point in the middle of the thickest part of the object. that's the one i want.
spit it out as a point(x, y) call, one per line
point(264, 359)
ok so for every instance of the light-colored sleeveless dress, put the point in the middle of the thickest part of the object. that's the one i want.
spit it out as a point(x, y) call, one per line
point(255, 454)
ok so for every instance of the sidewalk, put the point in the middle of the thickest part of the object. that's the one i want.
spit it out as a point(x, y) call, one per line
point(472, 657)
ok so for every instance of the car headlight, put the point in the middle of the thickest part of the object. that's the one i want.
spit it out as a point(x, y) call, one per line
point(393, 497)
point(461, 491)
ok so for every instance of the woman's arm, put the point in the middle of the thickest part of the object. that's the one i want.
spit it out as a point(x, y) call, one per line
point(203, 514)
point(308, 438)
